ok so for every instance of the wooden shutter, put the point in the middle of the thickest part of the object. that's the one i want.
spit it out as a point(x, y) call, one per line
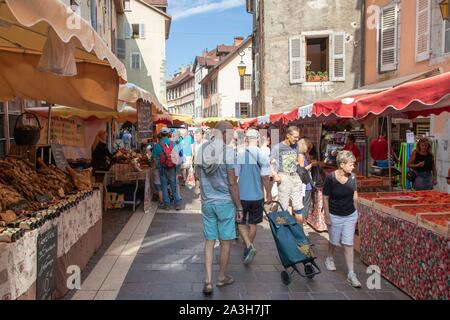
point(337, 63)
point(237, 110)
point(121, 49)
point(297, 69)
point(128, 30)
point(94, 14)
point(446, 40)
point(256, 72)
point(142, 31)
point(388, 39)
point(423, 21)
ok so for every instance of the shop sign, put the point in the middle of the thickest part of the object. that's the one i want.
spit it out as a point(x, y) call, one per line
point(145, 125)
point(67, 132)
point(46, 263)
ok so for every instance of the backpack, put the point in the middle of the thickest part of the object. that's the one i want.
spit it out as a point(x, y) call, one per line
point(165, 159)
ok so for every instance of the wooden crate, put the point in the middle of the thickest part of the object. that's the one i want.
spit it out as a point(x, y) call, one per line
point(398, 212)
point(364, 201)
point(432, 226)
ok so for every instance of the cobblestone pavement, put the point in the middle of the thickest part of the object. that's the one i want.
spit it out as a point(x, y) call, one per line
point(112, 223)
point(169, 265)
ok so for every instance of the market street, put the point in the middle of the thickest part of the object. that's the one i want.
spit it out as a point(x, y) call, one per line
point(169, 265)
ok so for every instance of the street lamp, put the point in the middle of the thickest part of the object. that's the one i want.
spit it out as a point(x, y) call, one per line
point(242, 67)
point(445, 9)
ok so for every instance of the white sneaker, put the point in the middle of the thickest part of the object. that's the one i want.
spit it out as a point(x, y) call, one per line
point(329, 263)
point(353, 280)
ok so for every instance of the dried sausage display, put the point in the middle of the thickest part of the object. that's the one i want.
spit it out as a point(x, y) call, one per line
point(29, 197)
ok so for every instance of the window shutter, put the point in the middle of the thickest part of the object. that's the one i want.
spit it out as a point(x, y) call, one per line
point(237, 111)
point(257, 9)
point(297, 59)
point(388, 39)
point(128, 30)
point(121, 51)
point(256, 72)
point(423, 19)
point(446, 41)
point(142, 31)
point(337, 64)
point(94, 14)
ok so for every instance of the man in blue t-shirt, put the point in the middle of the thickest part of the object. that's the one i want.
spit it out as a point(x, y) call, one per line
point(167, 176)
point(187, 145)
point(221, 206)
point(254, 173)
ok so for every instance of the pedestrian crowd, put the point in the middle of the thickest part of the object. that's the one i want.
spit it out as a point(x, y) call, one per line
point(237, 173)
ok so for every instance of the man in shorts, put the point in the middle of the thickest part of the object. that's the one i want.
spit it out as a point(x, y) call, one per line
point(254, 173)
point(221, 206)
point(284, 159)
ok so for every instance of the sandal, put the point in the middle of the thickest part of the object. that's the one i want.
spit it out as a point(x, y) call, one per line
point(227, 281)
point(207, 288)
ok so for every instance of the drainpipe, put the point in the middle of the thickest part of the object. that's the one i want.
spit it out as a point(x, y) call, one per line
point(362, 80)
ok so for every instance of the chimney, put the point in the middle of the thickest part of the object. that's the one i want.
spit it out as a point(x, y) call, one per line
point(238, 41)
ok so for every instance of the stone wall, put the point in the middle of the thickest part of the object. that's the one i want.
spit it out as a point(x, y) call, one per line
point(283, 19)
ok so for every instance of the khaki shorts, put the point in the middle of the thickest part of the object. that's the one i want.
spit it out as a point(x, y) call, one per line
point(290, 188)
point(187, 163)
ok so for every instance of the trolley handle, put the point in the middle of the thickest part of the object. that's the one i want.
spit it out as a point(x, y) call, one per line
point(276, 202)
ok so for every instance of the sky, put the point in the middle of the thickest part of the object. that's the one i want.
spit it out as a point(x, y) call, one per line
point(203, 24)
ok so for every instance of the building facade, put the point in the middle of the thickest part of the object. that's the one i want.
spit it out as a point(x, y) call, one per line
point(141, 45)
point(102, 15)
point(202, 65)
point(303, 59)
point(406, 40)
point(181, 92)
point(225, 93)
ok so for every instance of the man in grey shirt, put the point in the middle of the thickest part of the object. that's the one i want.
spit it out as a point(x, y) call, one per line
point(221, 205)
point(284, 157)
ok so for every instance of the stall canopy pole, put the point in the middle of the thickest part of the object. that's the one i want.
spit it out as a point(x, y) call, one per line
point(49, 123)
point(7, 135)
point(389, 131)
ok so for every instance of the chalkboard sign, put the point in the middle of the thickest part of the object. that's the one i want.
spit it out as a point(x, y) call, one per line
point(145, 124)
point(46, 263)
point(58, 155)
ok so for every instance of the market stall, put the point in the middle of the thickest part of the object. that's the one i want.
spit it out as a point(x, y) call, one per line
point(406, 234)
point(34, 201)
point(50, 218)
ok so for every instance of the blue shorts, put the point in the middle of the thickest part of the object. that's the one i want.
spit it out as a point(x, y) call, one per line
point(157, 187)
point(219, 221)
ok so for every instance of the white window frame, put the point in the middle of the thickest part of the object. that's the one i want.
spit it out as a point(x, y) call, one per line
point(424, 55)
point(330, 34)
point(140, 36)
point(125, 5)
point(131, 60)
